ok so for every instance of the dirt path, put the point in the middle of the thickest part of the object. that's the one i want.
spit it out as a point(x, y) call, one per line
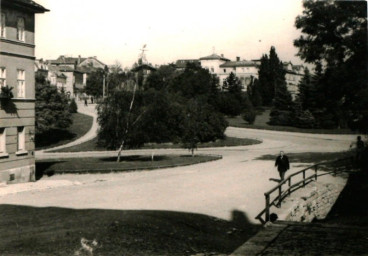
point(89, 110)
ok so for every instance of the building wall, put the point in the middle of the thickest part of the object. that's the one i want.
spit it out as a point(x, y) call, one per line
point(18, 165)
point(245, 74)
point(212, 65)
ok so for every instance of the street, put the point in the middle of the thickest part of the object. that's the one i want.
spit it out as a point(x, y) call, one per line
point(237, 182)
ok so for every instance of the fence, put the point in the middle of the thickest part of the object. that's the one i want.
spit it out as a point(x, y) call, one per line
point(308, 175)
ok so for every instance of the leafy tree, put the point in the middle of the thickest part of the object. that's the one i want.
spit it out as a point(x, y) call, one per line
point(334, 38)
point(201, 124)
point(94, 84)
point(161, 78)
point(271, 74)
point(52, 108)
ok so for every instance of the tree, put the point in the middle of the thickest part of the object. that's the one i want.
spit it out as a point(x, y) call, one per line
point(52, 107)
point(230, 102)
point(95, 82)
point(271, 74)
point(254, 94)
point(201, 124)
point(281, 113)
point(161, 78)
point(335, 40)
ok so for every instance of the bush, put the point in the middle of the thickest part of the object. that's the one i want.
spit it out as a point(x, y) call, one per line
point(73, 108)
point(249, 116)
point(280, 117)
point(228, 104)
point(305, 120)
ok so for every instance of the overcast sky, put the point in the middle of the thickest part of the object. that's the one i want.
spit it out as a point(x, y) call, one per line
point(116, 30)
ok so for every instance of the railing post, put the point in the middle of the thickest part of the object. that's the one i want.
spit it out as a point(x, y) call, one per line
point(304, 178)
point(315, 171)
point(289, 183)
point(267, 207)
point(280, 191)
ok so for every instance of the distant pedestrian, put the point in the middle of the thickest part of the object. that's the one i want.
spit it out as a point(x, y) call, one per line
point(91, 100)
point(282, 164)
point(359, 150)
point(85, 102)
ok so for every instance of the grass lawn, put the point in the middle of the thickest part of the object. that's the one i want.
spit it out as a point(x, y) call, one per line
point(227, 142)
point(47, 231)
point(81, 125)
point(109, 164)
point(310, 157)
point(263, 117)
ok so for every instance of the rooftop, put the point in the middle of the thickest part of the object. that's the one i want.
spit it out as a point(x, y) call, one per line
point(28, 5)
point(214, 57)
point(242, 63)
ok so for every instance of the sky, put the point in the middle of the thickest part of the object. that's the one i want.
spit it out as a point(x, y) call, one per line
point(116, 30)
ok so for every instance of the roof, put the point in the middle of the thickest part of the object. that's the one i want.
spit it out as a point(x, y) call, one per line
point(214, 57)
point(67, 60)
point(183, 63)
point(27, 5)
point(242, 63)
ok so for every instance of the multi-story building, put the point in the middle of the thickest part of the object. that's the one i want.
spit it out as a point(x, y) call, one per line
point(17, 114)
point(213, 62)
point(245, 70)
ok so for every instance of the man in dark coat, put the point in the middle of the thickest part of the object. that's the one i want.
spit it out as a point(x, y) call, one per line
point(282, 163)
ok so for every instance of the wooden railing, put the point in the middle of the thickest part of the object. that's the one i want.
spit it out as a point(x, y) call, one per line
point(307, 175)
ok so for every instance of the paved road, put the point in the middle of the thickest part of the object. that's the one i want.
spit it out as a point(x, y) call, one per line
point(237, 182)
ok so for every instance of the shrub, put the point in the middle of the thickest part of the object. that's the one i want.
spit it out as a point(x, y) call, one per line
point(280, 117)
point(249, 115)
point(305, 120)
point(73, 108)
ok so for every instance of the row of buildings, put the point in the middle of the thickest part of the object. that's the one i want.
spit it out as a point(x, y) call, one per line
point(245, 70)
point(69, 73)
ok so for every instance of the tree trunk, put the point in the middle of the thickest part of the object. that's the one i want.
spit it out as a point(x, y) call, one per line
point(120, 149)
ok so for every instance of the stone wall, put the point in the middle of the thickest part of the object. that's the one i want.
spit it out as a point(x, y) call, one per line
point(313, 201)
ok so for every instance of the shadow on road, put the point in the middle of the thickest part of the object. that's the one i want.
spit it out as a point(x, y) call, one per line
point(58, 231)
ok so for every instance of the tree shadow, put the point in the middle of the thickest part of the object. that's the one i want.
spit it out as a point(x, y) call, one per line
point(53, 138)
point(9, 107)
point(42, 168)
point(49, 231)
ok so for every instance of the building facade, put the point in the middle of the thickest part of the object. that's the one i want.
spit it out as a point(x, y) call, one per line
point(17, 114)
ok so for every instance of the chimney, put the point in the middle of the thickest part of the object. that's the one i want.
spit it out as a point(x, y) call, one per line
point(222, 55)
point(237, 58)
point(79, 59)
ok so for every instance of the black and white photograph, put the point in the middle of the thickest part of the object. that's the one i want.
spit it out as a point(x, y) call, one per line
point(183, 128)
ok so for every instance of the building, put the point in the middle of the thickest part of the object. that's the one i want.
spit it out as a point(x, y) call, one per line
point(213, 62)
point(17, 114)
point(75, 72)
point(294, 74)
point(182, 64)
point(245, 70)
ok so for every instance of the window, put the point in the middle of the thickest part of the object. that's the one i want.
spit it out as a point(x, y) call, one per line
point(224, 70)
point(21, 83)
point(2, 77)
point(21, 138)
point(2, 141)
point(20, 29)
point(2, 25)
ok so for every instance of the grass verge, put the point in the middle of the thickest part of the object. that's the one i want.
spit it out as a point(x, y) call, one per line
point(92, 145)
point(109, 164)
point(31, 231)
point(261, 124)
point(80, 126)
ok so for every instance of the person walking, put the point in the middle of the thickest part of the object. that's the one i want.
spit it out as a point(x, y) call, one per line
point(85, 102)
point(282, 164)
